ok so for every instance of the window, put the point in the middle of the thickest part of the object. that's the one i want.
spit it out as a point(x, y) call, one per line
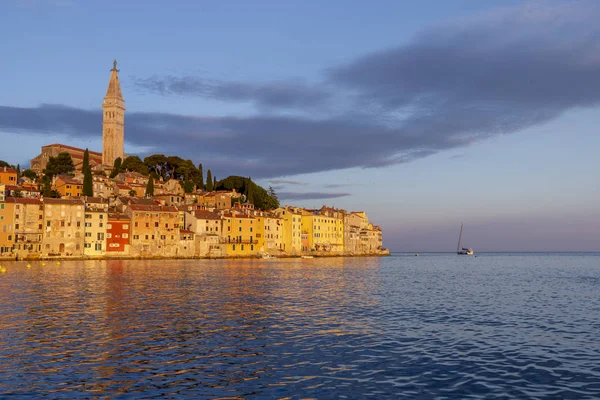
point(156, 224)
point(48, 223)
point(62, 223)
point(126, 226)
point(146, 237)
point(136, 225)
point(251, 247)
point(240, 228)
point(125, 235)
point(242, 247)
point(101, 216)
point(233, 248)
point(135, 236)
point(108, 226)
point(100, 236)
point(98, 246)
point(101, 224)
point(16, 226)
point(163, 237)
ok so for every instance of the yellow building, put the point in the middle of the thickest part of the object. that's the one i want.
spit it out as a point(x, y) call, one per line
point(324, 229)
point(68, 186)
point(292, 229)
point(28, 225)
point(242, 234)
point(154, 230)
point(8, 176)
point(95, 226)
point(7, 223)
point(273, 233)
point(63, 227)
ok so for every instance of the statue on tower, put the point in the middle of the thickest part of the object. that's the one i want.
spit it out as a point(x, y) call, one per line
point(115, 66)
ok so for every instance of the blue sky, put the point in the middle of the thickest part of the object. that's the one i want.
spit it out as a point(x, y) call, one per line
point(423, 114)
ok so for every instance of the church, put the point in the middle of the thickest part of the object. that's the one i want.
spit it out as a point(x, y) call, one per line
point(113, 133)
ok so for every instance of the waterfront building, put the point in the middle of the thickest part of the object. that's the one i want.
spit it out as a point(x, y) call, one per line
point(28, 226)
point(239, 232)
point(154, 230)
point(273, 233)
point(95, 227)
point(118, 233)
point(7, 223)
point(113, 120)
point(291, 230)
point(63, 227)
point(8, 176)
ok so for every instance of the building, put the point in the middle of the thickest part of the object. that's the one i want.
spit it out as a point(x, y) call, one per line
point(291, 229)
point(117, 234)
point(113, 120)
point(7, 223)
point(38, 164)
point(273, 233)
point(95, 227)
point(28, 225)
point(8, 176)
point(63, 227)
point(240, 234)
point(154, 230)
point(113, 134)
point(68, 186)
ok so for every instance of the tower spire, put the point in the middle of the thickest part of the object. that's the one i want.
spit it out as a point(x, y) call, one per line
point(113, 122)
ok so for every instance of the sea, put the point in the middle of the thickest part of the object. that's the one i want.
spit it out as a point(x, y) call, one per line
point(436, 326)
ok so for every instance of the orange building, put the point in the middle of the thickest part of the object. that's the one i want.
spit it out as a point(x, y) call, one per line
point(68, 187)
point(8, 176)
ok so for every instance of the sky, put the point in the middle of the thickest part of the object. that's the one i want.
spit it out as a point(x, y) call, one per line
point(425, 114)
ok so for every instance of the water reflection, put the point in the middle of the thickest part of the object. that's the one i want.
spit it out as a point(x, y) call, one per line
point(360, 327)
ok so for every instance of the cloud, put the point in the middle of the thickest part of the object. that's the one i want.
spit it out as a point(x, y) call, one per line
point(451, 86)
point(277, 94)
point(287, 181)
point(309, 195)
point(336, 185)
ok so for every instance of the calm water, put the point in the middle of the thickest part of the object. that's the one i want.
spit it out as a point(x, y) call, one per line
point(435, 326)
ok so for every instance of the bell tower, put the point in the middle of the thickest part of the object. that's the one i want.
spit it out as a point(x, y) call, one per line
point(113, 120)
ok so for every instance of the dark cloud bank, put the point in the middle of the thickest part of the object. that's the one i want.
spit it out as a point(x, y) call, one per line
point(451, 86)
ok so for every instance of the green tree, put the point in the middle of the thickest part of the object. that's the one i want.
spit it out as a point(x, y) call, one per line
point(29, 174)
point(271, 192)
point(200, 177)
point(116, 167)
point(132, 193)
point(18, 193)
point(135, 164)
point(86, 160)
point(209, 181)
point(88, 182)
point(150, 188)
point(250, 193)
point(18, 172)
point(156, 163)
point(61, 164)
point(242, 185)
point(214, 183)
point(4, 164)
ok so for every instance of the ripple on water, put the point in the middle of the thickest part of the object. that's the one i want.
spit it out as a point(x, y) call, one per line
point(509, 326)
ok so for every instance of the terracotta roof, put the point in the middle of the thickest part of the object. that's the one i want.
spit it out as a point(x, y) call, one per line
point(118, 216)
point(22, 200)
point(64, 146)
point(8, 170)
point(185, 231)
point(49, 200)
point(143, 207)
point(203, 214)
point(69, 180)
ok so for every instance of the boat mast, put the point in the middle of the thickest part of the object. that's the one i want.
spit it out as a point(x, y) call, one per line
point(460, 239)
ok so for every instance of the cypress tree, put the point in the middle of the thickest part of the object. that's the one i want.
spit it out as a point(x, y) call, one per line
point(86, 160)
point(209, 181)
point(116, 167)
point(88, 185)
point(201, 179)
point(214, 183)
point(150, 187)
point(250, 195)
point(18, 172)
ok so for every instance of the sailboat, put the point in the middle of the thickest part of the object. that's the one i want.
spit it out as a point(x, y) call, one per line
point(462, 250)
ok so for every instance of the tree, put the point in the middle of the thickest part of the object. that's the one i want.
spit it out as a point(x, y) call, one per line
point(271, 192)
point(135, 164)
point(86, 160)
point(150, 188)
point(200, 177)
point(116, 167)
point(209, 181)
point(214, 183)
point(61, 164)
point(18, 193)
point(88, 182)
point(242, 185)
point(156, 163)
point(250, 193)
point(132, 193)
point(18, 172)
point(4, 164)
point(29, 174)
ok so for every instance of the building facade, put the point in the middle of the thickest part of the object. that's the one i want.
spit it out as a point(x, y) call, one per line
point(113, 120)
